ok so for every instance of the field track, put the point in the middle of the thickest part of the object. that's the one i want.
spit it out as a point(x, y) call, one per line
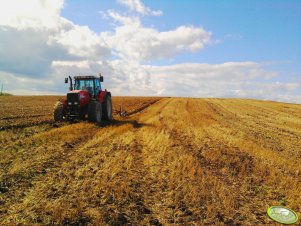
point(180, 161)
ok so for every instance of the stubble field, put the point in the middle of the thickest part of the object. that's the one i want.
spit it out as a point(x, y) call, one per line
point(171, 161)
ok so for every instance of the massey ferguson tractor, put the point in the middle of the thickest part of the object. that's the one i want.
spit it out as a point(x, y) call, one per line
point(85, 99)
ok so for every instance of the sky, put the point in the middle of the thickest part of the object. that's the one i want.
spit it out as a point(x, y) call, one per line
point(193, 48)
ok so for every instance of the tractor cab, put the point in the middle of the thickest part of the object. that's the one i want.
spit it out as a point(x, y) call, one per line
point(91, 84)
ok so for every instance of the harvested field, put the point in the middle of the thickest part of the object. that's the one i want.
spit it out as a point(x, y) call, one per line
point(179, 161)
point(16, 111)
point(23, 111)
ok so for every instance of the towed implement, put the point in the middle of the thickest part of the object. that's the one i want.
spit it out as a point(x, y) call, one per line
point(86, 99)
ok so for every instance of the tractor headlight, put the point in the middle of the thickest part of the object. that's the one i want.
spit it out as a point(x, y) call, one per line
point(69, 103)
point(75, 103)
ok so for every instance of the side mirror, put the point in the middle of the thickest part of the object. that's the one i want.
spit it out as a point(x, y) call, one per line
point(66, 80)
point(101, 78)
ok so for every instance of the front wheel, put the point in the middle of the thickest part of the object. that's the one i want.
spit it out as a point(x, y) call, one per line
point(58, 112)
point(95, 112)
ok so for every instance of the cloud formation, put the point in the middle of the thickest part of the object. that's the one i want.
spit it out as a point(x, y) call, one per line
point(33, 35)
point(139, 7)
point(131, 40)
point(35, 14)
point(38, 48)
point(232, 79)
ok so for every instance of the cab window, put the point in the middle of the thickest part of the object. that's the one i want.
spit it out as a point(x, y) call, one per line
point(97, 86)
point(87, 84)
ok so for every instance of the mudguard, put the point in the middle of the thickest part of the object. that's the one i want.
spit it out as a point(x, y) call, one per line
point(102, 95)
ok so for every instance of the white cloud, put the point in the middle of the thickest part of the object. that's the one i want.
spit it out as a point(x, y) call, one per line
point(29, 86)
point(230, 71)
point(278, 91)
point(33, 34)
point(131, 40)
point(231, 79)
point(126, 20)
point(26, 52)
point(82, 42)
point(137, 6)
point(283, 86)
point(30, 13)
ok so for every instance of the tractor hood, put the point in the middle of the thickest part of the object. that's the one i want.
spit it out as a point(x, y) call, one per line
point(84, 96)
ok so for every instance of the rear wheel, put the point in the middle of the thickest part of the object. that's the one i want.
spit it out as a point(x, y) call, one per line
point(95, 112)
point(107, 108)
point(58, 112)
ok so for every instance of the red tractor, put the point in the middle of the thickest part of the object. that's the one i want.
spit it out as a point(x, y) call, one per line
point(86, 98)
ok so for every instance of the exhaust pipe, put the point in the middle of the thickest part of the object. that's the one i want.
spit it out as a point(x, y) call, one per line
point(71, 84)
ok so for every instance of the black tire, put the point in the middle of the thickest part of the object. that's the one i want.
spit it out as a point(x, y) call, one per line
point(107, 108)
point(58, 112)
point(95, 112)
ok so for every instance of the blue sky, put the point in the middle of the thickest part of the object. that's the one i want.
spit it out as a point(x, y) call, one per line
point(249, 49)
point(265, 31)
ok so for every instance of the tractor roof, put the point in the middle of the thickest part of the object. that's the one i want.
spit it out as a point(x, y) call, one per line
point(85, 77)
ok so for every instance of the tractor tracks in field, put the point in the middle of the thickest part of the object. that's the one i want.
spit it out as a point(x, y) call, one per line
point(25, 125)
point(156, 205)
point(164, 209)
point(44, 119)
point(150, 196)
point(182, 142)
point(258, 126)
point(146, 192)
point(45, 154)
point(30, 160)
point(22, 116)
point(145, 186)
point(139, 110)
point(154, 192)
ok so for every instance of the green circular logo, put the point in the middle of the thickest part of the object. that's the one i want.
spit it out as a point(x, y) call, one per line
point(282, 215)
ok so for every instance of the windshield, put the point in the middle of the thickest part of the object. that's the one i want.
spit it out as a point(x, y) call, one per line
point(86, 84)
